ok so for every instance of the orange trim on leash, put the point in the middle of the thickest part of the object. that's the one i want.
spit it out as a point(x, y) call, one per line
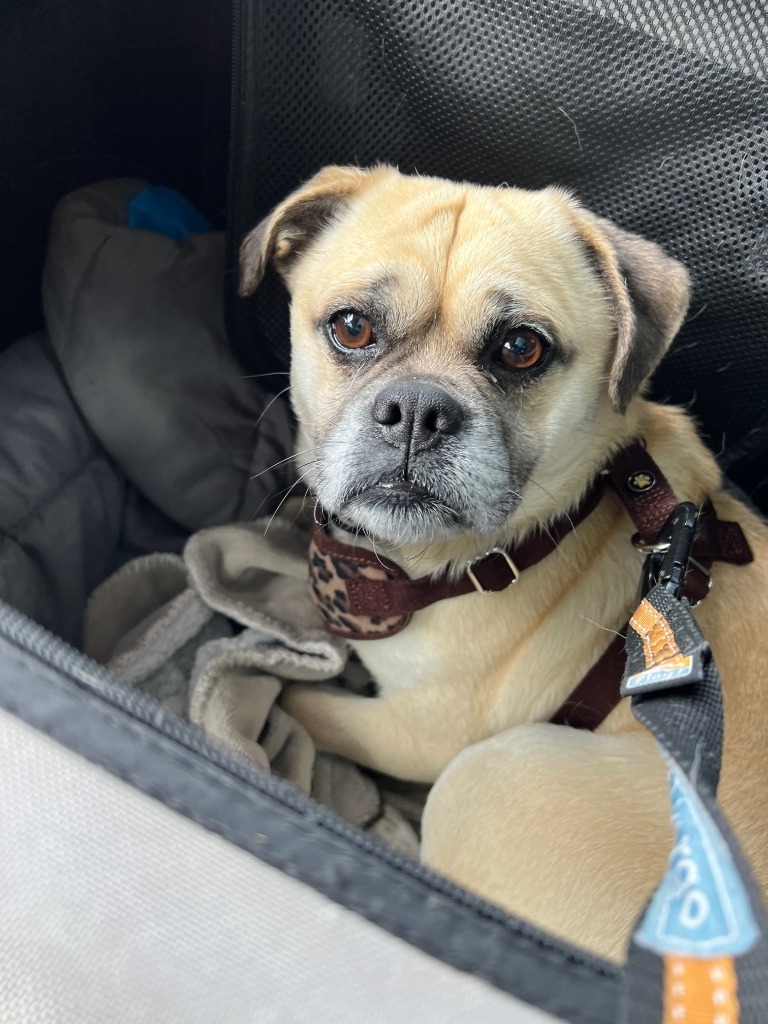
point(700, 991)
point(659, 644)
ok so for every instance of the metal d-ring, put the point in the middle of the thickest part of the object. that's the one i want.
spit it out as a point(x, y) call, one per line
point(494, 551)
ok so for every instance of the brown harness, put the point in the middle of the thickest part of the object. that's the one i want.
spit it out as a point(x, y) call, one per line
point(363, 596)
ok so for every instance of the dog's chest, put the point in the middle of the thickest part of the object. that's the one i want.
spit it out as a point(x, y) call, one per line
point(509, 657)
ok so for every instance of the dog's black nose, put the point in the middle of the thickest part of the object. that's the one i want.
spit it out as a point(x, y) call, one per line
point(416, 414)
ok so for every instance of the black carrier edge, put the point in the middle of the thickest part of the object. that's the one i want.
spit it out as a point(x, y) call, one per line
point(77, 703)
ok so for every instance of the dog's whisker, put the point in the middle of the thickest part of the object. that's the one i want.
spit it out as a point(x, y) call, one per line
point(558, 547)
point(574, 529)
point(281, 462)
point(690, 320)
point(300, 513)
point(277, 493)
point(419, 557)
point(282, 502)
point(372, 542)
point(270, 404)
point(269, 497)
point(257, 376)
point(600, 626)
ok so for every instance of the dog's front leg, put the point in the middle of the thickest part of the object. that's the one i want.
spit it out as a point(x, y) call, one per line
point(383, 733)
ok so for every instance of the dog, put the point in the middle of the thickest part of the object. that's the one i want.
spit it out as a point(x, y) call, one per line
point(466, 360)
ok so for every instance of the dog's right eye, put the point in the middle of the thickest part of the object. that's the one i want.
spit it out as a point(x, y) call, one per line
point(351, 330)
point(523, 349)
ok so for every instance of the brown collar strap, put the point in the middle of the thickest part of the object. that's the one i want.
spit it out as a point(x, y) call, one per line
point(363, 596)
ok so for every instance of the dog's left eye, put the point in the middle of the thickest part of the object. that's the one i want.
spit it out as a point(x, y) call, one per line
point(522, 349)
point(351, 330)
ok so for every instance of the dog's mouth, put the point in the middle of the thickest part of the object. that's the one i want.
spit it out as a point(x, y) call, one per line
point(398, 492)
point(392, 507)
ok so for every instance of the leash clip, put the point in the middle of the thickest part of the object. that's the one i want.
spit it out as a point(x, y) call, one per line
point(668, 556)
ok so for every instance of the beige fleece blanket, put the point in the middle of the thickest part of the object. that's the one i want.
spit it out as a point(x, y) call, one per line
point(215, 634)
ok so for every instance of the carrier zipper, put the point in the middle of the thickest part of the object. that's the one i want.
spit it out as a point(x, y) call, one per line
point(55, 653)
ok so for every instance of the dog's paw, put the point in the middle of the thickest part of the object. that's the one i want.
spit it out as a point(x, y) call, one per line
point(320, 709)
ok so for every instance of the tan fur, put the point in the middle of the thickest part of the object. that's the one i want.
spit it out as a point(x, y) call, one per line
point(567, 829)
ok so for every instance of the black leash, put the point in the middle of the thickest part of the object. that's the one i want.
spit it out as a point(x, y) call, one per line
point(699, 954)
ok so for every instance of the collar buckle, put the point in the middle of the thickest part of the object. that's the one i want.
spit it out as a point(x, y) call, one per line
point(502, 571)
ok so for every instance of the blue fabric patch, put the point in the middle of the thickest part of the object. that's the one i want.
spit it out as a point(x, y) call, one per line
point(701, 907)
point(166, 211)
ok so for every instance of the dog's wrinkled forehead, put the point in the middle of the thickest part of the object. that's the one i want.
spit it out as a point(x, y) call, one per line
point(439, 260)
point(435, 261)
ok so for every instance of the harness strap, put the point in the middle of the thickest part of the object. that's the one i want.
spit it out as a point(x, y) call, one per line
point(597, 694)
point(643, 490)
point(649, 500)
point(493, 572)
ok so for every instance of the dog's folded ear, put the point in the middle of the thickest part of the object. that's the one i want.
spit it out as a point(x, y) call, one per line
point(287, 230)
point(650, 293)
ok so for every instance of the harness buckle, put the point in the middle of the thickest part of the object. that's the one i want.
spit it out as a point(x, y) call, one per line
point(476, 582)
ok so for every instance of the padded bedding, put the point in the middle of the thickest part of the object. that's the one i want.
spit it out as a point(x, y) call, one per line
point(129, 424)
point(61, 496)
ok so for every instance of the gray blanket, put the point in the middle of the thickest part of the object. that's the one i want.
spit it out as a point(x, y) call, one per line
point(215, 634)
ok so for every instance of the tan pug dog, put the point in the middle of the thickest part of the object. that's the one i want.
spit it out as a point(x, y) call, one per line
point(465, 360)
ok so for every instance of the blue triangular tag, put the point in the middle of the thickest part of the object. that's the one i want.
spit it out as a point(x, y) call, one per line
point(702, 907)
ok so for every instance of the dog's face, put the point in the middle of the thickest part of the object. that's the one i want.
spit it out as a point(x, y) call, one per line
point(458, 350)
